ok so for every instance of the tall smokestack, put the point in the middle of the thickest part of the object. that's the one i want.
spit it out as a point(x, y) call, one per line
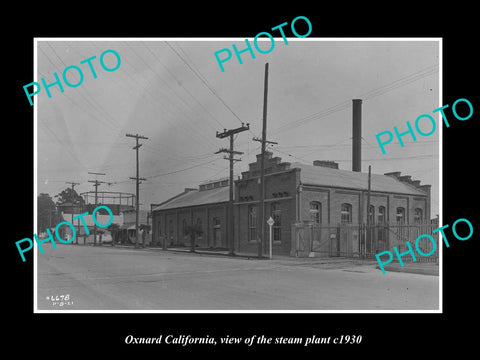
point(357, 135)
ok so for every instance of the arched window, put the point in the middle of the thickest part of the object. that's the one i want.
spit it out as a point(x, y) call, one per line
point(400, 215)
point(252, 223)
point(381, 215)
point(277, 226)
point(316, 213)
point(417, 215)
point(346, 213)
point(371, 214)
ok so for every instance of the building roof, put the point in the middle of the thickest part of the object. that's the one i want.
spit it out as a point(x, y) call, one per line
point(129, 216)
point(216, 180)
point(68, 203)
point(309, 175)
point(324, 176)
point(196, 197)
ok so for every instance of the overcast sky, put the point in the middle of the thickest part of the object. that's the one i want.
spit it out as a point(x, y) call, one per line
point(175, 94)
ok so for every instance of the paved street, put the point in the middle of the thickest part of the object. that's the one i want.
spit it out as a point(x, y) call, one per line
point(106, 278)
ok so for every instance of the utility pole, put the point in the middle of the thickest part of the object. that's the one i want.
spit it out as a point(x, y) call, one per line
point(137, 178)
point(262, 244)
point(262, 192)
point(72, 183)
point(96, 183)
point(231, 152)
point(73, 188)
point(369, 231)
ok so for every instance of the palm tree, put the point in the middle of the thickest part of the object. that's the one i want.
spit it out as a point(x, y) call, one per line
point(145, 229)
point(194, 231)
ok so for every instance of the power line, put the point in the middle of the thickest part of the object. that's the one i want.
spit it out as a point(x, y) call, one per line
point(396, 158)
point(58, 57)
point(83, 93)
point(368, 95)
point(193, 123)
point(429, 70)
point(177, 171)
point(201, 78)
point(176, 79)
point(134, 80)
point(345, 145)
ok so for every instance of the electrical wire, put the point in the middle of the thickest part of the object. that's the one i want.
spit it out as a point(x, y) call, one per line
point(366, 96)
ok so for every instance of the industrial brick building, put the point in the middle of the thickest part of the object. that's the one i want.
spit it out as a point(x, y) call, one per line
point(328, 199)
point(320, 194)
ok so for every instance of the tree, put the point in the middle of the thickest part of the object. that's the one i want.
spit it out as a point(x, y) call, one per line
point(69, 195)
point(47, 215)
point(194, 231)
point(114, 231)
point(145, 229)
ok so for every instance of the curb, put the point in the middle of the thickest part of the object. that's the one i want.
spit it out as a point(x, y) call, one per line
point(427, 270)
point(186, 250)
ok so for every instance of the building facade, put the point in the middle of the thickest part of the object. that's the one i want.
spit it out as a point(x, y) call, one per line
point(320, 194)
point(207, 207)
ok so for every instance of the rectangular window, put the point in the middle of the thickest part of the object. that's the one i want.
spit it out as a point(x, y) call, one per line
point(346, 213)
point(277, 226)
point(381, 215)
point(418, 215)
point(400, 215)
point(371, 214)
point(316, 213)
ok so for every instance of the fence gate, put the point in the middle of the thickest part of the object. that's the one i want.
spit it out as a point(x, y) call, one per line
point(301, 241)
point(324, 240)
point(360, 240)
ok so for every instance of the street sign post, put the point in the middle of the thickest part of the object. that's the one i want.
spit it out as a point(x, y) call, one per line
point(270, 223)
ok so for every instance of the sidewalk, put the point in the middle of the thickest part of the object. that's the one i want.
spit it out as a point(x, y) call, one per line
point(323, 262)
point(413, 267)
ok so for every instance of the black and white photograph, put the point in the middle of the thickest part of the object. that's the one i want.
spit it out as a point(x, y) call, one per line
point(186, 149)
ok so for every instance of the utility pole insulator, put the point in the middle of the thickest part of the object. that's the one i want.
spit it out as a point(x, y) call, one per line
point(227, 133)
point(266, 141)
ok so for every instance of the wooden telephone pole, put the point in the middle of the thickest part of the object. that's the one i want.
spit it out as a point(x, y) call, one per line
point(137, 179)
point(370, 220)
point(262, 244)
point(231, 152)
point(72, 183)
point(96, 183)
